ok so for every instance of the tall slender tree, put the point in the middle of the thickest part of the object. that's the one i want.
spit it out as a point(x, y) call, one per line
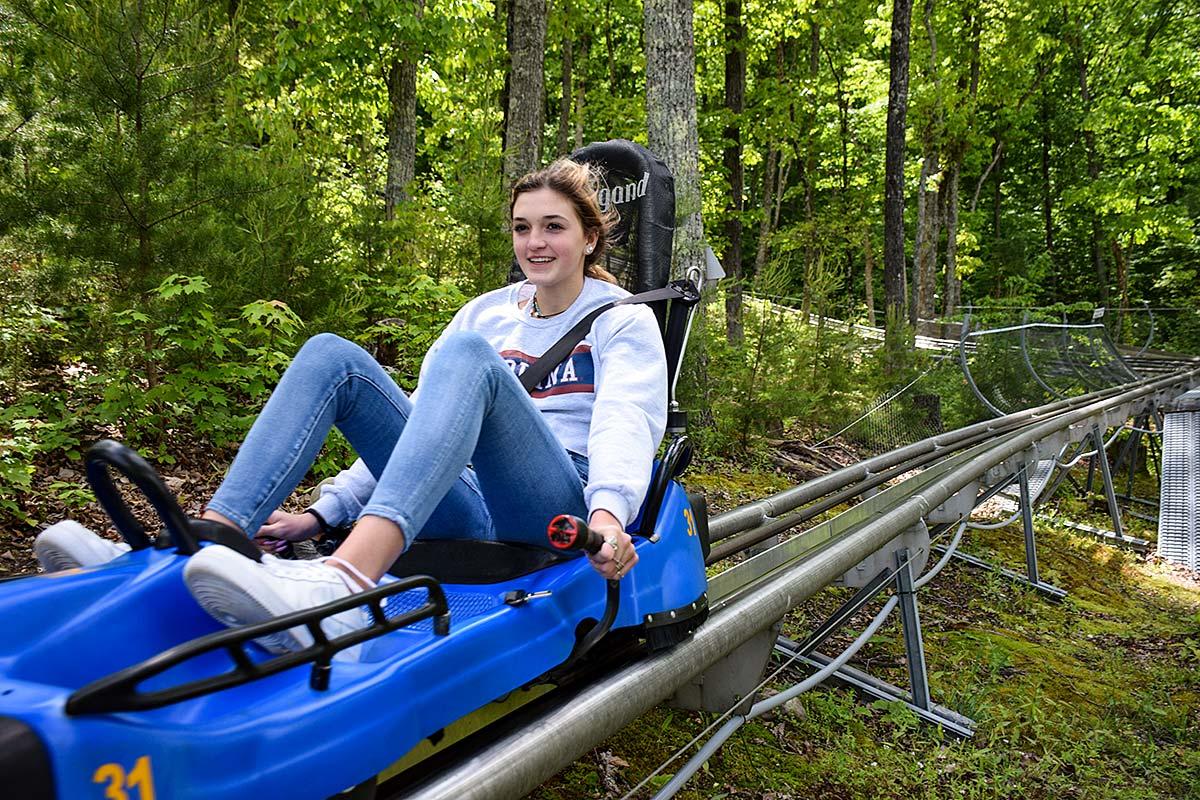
point(526, 87)
point(735, 105)
point(567, 98)
point(956, 150)
point(894, 265)
point(401, 126)
point(671, 119)
point(929, 209)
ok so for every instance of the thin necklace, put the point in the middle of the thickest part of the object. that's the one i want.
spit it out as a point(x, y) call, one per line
point(537, 312)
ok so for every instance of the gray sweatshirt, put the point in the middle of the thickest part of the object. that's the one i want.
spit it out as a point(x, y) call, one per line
point(607, 402)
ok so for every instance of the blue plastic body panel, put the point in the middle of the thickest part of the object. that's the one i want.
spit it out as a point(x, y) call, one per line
point(277, 737)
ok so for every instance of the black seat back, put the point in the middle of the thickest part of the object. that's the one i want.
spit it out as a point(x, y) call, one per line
point(640, 187)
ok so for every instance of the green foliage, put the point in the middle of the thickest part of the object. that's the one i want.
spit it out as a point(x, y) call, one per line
point(196, 367)
point(785, 372)
point(30, 335)
point(195, 370)
point(32, 426)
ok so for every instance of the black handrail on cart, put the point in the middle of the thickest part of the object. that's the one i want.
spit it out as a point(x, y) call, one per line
point(118, 691)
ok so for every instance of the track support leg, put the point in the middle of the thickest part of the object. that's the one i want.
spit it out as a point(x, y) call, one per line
point(917, 699)
point(910, 619)
point(1063, 475)
point(1131, 449)
point(1031, 563)
point(1155, 457)
point(1110, 495)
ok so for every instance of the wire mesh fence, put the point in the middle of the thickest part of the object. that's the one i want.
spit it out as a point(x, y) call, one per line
point(1003, 362)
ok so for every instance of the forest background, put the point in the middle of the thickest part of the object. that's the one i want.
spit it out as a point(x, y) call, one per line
point(188, 189)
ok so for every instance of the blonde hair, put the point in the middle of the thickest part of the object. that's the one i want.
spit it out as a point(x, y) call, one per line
point(580, 184)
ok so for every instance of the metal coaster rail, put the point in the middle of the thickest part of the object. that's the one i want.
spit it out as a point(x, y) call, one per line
point(960, 468)
point(755, 522)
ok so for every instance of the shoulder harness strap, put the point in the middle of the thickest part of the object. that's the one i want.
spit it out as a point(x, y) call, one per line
point(560, 350)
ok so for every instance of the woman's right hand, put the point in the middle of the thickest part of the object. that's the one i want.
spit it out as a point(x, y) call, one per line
point(283, 527)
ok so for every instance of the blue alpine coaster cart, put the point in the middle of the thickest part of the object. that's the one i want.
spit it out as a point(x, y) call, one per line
point(114, 683)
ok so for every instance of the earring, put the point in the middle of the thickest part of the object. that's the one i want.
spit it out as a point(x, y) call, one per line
point(589, 250)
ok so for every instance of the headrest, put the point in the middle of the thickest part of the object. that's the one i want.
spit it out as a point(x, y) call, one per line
point(638, 184)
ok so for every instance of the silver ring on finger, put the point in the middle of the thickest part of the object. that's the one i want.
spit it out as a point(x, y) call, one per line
point(611, 541)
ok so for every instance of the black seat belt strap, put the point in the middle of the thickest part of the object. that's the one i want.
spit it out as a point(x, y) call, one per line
point(560, 350)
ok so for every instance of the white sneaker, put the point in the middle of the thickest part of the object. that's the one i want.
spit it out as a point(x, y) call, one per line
point(238, 591)
point(67, 545)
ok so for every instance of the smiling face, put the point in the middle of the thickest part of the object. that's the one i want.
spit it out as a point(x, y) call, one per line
point(549, 240)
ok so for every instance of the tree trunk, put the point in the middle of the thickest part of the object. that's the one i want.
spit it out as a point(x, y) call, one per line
point(523, 131)
point(774, 178)
point(401, 126)
point(956, 152)
point(671, 119)
point(809, 168)
point(568, 90)
point(764, 223)
point(504, 12)
point(672, 135)
point(781, 184)
point(1122, 266)
point(735, 93)
point(952, 282)
point(841, 203)
point(580, 92)
point(997, 197)
point(928, 196)
point(924, 272)
point(810, 257)
point(1047, 188)
point(893, 194)
point(1093, 169)
point(869, 273)
point(610, 58)
point(141, 217)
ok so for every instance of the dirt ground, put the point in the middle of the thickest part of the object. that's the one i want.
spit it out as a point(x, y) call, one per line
point(60, 492)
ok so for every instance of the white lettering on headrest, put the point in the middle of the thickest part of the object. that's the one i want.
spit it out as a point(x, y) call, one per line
point(619, 195)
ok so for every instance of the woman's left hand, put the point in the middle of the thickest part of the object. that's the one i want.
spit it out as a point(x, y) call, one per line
point(617, 556)
point(283, 528)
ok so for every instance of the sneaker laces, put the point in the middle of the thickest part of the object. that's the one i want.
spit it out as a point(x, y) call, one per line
point(355, 588)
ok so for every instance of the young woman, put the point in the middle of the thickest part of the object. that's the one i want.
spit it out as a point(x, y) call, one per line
point(471, 454)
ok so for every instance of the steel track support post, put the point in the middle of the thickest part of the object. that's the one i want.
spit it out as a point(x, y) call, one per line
point(1126, 446)
point(1110, 495)
point(1091, 478)
point(1063, 475)
point(1132, 448)
point(1031, 565)
point(1154, 455)
point(910, 620)
point(848, 609)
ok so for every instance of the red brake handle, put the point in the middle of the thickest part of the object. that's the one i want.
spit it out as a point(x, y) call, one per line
point(566, 532)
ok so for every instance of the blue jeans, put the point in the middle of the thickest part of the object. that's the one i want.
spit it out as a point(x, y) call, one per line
point(471, 410)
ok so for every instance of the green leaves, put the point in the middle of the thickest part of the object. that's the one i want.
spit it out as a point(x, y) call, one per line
point(272, 317)
point(175, 285)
